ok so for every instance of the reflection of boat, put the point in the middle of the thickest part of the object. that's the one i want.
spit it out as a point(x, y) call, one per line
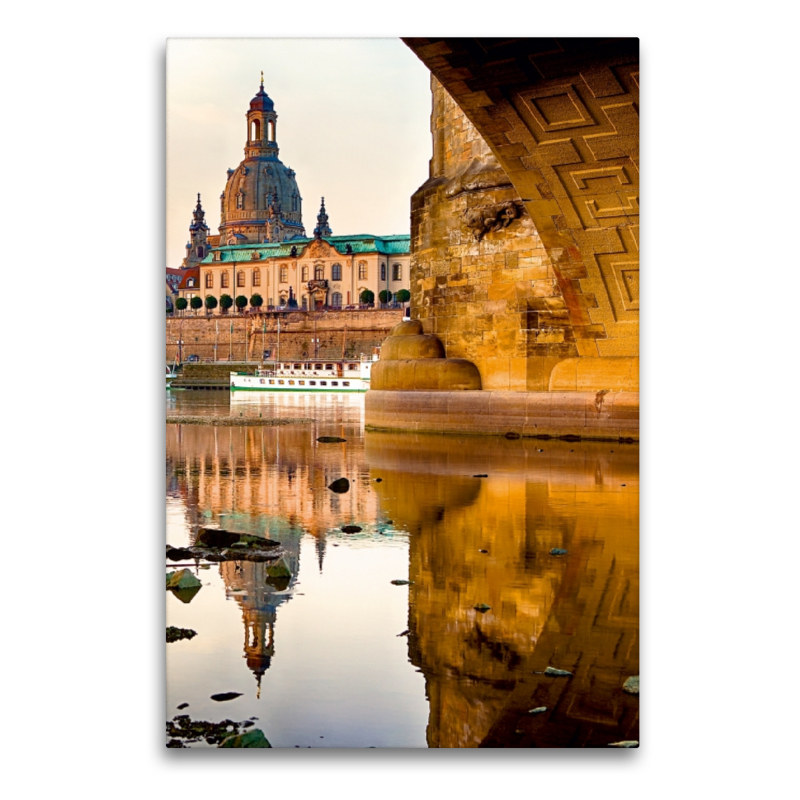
point(347, 375)
point(171, 374)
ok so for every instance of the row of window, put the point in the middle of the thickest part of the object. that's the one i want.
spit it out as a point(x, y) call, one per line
point(303, 383)
point(319, 274)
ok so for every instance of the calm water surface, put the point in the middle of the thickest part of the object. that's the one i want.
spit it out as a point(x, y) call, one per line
point(341, 657)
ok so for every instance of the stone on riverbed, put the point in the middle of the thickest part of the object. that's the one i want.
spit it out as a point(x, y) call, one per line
point(178, 553)
point(482, 607)
point(400, 582)
point(280, 569)
point(213, 537)
point(330, 439)
point(223, 696)
point(557, 673)
point(254, 738)
point(176, 634)
point(182, 580)
point(557, 551)
point(539, 710)
point(340, 486)
point(631, 686)
point(351, 529)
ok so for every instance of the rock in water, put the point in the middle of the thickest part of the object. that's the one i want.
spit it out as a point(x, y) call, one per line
point(557, 551)
point(482, 475)
point(254, 738)
point(176, 634)
point(340, 486)
point(183, 705)
point(185, 595)
point(378, 480)
point(213, 537)
point(513, 435)
point(220, 698)
point(279, 569)
point(539, 710)
point(557, 673)
point(482, 607)
point(351, 528)
point(631, 686)
point(626, 743)
point(399, 582)
point(330, 439)
point(182, 580)
point(178, 553)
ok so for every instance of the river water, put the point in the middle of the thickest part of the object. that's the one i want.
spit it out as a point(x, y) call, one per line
point(341, 657)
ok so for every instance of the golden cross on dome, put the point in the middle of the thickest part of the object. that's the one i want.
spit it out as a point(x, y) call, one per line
point(262, 78)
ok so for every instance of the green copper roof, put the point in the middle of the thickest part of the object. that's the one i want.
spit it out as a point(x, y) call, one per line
point(361, 243)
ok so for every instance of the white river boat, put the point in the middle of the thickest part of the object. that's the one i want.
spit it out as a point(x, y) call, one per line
point(348, 375)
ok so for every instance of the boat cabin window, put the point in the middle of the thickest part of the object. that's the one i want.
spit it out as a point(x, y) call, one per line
point(323, 383)
point(298, 366)
point(272, 383)
point(262, 381)
point(280, 383)
point(291, 383)
point(334, 383)
point(353, 366)
point(329, 366)
point(302, 383)
point(345, 383)
point(317, 366)
point(312, 383)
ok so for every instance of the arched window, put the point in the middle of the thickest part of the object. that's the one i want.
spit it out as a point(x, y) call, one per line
point(240, 278)
point(362, 270)
point(255, 130)
point(226, 280)
point(209, 280)
point(200, 251)
point(256, 277)
point(240, 200)
point(304, 271)
point(284, 274)
point(319, 272)
point(336, 272)
point(271, 128)
point(336, 300)
point(397, 272)
point(383, 272)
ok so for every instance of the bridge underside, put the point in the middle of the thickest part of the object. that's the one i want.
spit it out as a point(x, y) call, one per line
point(525, 237)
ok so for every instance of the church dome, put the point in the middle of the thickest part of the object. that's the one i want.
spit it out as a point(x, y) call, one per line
point(261, 200)
point(262, 102)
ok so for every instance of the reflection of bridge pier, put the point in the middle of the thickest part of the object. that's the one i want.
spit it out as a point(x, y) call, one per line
point(578, 612)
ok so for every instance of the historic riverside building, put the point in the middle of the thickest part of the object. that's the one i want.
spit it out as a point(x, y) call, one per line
point(262, 247)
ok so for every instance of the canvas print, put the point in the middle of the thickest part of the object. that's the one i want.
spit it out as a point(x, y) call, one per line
point(402, 402)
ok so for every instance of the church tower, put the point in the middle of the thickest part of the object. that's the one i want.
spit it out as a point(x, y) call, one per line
point(322, 229)
point(197, 247)
point(261, 201)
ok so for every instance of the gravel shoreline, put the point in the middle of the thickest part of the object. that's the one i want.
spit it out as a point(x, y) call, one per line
point(234, 421)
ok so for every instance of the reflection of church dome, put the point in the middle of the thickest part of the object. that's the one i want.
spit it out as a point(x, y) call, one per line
point(261, 201)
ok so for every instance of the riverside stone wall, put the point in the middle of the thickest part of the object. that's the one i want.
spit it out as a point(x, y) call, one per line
point(351, 333)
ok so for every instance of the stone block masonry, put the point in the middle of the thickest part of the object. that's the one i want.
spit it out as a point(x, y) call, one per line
point(348, 332)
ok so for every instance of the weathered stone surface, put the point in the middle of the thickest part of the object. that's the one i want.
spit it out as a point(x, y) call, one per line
point(425, 375)
point(400, 348)
point(213, 537)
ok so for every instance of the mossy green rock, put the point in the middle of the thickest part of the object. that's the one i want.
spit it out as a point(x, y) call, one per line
point(278, 570)
point(182, 580)
point(254, 738)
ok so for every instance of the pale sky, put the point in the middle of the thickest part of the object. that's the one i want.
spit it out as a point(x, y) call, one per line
point(353, 123)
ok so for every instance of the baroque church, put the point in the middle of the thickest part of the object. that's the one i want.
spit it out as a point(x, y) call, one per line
point(262, 247)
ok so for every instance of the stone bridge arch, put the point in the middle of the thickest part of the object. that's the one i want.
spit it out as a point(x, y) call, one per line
point(525, 239)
